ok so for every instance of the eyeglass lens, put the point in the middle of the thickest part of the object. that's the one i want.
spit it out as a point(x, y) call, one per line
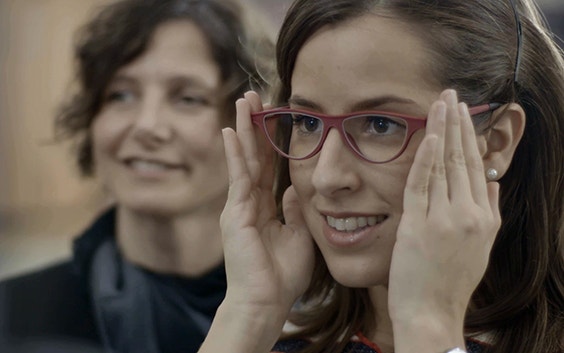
point(377, 138)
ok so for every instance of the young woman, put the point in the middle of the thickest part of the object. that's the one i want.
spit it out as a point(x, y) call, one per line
point(422, 175)
point(158, 80)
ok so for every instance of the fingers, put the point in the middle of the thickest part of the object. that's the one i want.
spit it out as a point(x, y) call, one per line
point(243, 159)
point(258, 155)
point(474, 162)
point(493, 198)
point(293, 215)
point(239, 181)
point(436, 125)
point(416, 196)
point(458, 173)
point(455, 155)
point(246, 135)
point(254, 100)
point(265, 153)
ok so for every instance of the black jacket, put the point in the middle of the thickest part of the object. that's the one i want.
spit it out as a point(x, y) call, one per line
point(85, 304)
point(49, 306)
point(53, 305)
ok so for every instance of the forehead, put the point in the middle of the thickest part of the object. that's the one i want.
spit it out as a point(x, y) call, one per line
point(361, 58)
point(177, 50)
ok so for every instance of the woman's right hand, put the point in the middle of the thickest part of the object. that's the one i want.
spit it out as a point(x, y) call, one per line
point(268, 264)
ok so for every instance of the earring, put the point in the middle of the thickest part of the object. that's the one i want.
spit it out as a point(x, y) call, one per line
point(492, 174)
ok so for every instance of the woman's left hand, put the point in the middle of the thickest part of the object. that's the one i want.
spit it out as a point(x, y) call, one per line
point(450, 220)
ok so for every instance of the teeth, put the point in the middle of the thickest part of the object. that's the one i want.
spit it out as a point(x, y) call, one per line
point(353, 223)
point(147, 166)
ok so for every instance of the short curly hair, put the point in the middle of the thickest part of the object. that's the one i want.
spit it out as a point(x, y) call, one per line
point(121, 32)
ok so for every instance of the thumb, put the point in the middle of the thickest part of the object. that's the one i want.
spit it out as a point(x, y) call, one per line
point(293, 214)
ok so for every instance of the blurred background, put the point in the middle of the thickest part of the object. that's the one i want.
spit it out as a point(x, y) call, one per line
point(44, 202)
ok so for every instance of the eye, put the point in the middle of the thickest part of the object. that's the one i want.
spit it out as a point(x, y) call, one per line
point(119, 96)
point(381, 125)
point(306, 124)
point(193, 100)
point(188, 98)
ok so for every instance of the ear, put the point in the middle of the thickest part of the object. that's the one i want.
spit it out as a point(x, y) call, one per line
point(503, 137)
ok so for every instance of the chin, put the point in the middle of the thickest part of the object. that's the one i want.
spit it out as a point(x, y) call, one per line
point(352, 282)
point(155, 205)
point(359, 276)
point(151, 210)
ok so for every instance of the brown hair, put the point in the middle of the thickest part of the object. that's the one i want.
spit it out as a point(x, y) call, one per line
point(121, 32)
point(520, 300)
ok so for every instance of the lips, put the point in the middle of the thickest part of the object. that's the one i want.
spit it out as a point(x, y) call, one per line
point(350, 232)
point(351, 224)
point(151, 165)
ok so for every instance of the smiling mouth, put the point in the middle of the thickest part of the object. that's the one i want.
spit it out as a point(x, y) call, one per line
point(351, 224)
point(147, 166)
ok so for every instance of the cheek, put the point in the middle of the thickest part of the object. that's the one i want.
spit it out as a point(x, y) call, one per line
point(215, 152)
point(100, 140)
point(300, 177)
point(200, 134)
point(390, 182)
point(203, 142)
point(396, 172)
point(107, 133)
point(106, 138)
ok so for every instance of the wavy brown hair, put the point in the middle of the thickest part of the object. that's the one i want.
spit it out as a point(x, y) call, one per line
point(520, 300)
point(241, 44)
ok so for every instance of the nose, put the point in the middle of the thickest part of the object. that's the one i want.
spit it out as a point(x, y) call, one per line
point(335, 172)
point(151, 127)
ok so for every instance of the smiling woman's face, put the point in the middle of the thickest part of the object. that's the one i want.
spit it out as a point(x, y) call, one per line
point(157, 140)
point(368, 63)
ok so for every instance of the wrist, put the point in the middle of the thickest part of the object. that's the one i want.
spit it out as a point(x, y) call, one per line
point(272, 312)
point(254, 314)
point(233, 323)
point(434, 332)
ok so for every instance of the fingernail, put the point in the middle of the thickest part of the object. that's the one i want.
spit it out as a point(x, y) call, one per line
point(441, 108)
point(451, 97)
point(463, 109)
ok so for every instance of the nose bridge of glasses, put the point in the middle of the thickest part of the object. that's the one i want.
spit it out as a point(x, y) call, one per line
point(329, 122)
point(338, 124)
point(306, 145)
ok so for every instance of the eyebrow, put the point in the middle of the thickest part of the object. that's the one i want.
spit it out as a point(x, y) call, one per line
point(176, 80)
point(366, 104)
point(121, 78)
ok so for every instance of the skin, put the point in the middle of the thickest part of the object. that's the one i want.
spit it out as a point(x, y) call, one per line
point(421, 263)
point(332, 76)
point(158, 151)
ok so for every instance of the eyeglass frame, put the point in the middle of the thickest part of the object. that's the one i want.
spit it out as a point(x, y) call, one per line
point(414, 123)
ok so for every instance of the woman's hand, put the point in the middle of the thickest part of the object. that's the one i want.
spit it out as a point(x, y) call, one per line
point(268, 264)
point(451, 217)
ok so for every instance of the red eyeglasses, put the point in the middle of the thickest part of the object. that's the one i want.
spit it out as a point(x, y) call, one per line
point(375, 136)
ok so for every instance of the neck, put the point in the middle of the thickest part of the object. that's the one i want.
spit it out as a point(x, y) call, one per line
point(185, 245)
point(383, 334)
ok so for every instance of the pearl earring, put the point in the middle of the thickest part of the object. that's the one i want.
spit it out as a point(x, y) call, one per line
point(492, 174)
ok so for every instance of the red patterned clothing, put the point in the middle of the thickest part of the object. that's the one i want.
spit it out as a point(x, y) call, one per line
point(358, 344)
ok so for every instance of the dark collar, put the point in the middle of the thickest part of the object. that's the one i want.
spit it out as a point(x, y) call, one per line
point(85, 246)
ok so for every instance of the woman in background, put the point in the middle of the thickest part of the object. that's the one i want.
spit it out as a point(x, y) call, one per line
point(157, 82)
